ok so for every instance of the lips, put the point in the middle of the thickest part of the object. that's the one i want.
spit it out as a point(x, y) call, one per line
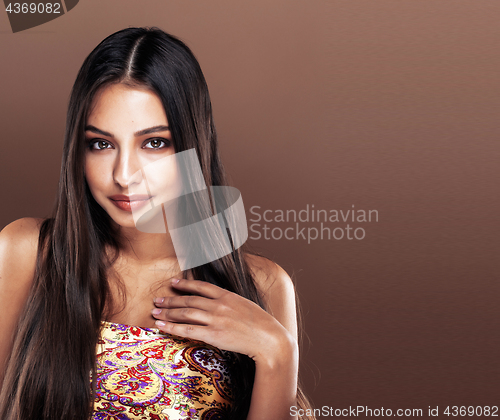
point(130, 202)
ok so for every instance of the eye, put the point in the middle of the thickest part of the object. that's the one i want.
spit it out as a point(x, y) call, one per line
point(157, 142)
point(99, 143)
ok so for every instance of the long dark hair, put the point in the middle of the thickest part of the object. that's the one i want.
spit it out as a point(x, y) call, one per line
point(53, 357)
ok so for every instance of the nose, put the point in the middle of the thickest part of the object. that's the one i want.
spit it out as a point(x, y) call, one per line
point(126, 166)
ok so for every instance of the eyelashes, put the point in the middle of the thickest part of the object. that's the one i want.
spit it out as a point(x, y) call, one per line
point(165, 141)
point(157, 141)
point(91, 144)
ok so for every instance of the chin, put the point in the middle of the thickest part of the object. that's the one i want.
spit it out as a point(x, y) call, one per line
point(125, 222)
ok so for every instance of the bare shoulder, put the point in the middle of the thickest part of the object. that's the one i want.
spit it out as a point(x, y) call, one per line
point(277, 288)
point(268, 275)
point(24, 227)
point(18, 250)
point(20, 235)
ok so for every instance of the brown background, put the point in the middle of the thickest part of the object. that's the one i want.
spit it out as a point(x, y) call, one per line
point(386, 105)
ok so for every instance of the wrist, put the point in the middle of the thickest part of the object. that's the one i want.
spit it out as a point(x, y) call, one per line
point(282, 350)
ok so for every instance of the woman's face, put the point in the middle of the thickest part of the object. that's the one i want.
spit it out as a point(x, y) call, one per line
point(127, 129)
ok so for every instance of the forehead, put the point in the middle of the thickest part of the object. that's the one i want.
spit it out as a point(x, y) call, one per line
point(117, 105)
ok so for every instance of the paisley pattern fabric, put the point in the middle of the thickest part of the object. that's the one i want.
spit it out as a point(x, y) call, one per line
point(145, 374)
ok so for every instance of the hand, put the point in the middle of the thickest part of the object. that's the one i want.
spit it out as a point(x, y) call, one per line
point(222, 319)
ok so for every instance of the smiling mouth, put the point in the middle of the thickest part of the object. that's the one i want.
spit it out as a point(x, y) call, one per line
point(128, 205)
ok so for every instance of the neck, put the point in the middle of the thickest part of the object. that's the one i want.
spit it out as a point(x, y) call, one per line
point(145, 248)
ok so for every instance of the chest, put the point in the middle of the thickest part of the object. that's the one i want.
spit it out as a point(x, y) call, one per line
point(133, 289)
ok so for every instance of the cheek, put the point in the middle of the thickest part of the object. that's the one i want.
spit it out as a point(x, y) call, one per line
point(164, 180)
point(95, 174)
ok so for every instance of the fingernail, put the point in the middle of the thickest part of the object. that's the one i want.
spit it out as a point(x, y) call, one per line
point(160, 323)
point(175, 281)
point(159, 300)
point(156, 311)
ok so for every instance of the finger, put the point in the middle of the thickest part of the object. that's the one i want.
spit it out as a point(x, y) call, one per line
point(183, 315)
point(189, 301)
point(198, 287)
point(194, 332)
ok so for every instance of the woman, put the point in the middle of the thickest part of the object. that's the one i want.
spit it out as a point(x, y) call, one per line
point(88, 278)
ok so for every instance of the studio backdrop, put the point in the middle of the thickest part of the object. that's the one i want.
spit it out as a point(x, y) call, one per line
point(363, 136)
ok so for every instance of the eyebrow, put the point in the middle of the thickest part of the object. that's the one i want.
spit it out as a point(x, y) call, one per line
point(149, 130)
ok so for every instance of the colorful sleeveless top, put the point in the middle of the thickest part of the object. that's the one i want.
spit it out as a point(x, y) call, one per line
point(145, 374)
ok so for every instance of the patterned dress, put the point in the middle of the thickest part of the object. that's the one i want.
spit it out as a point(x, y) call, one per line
point(143, 373)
